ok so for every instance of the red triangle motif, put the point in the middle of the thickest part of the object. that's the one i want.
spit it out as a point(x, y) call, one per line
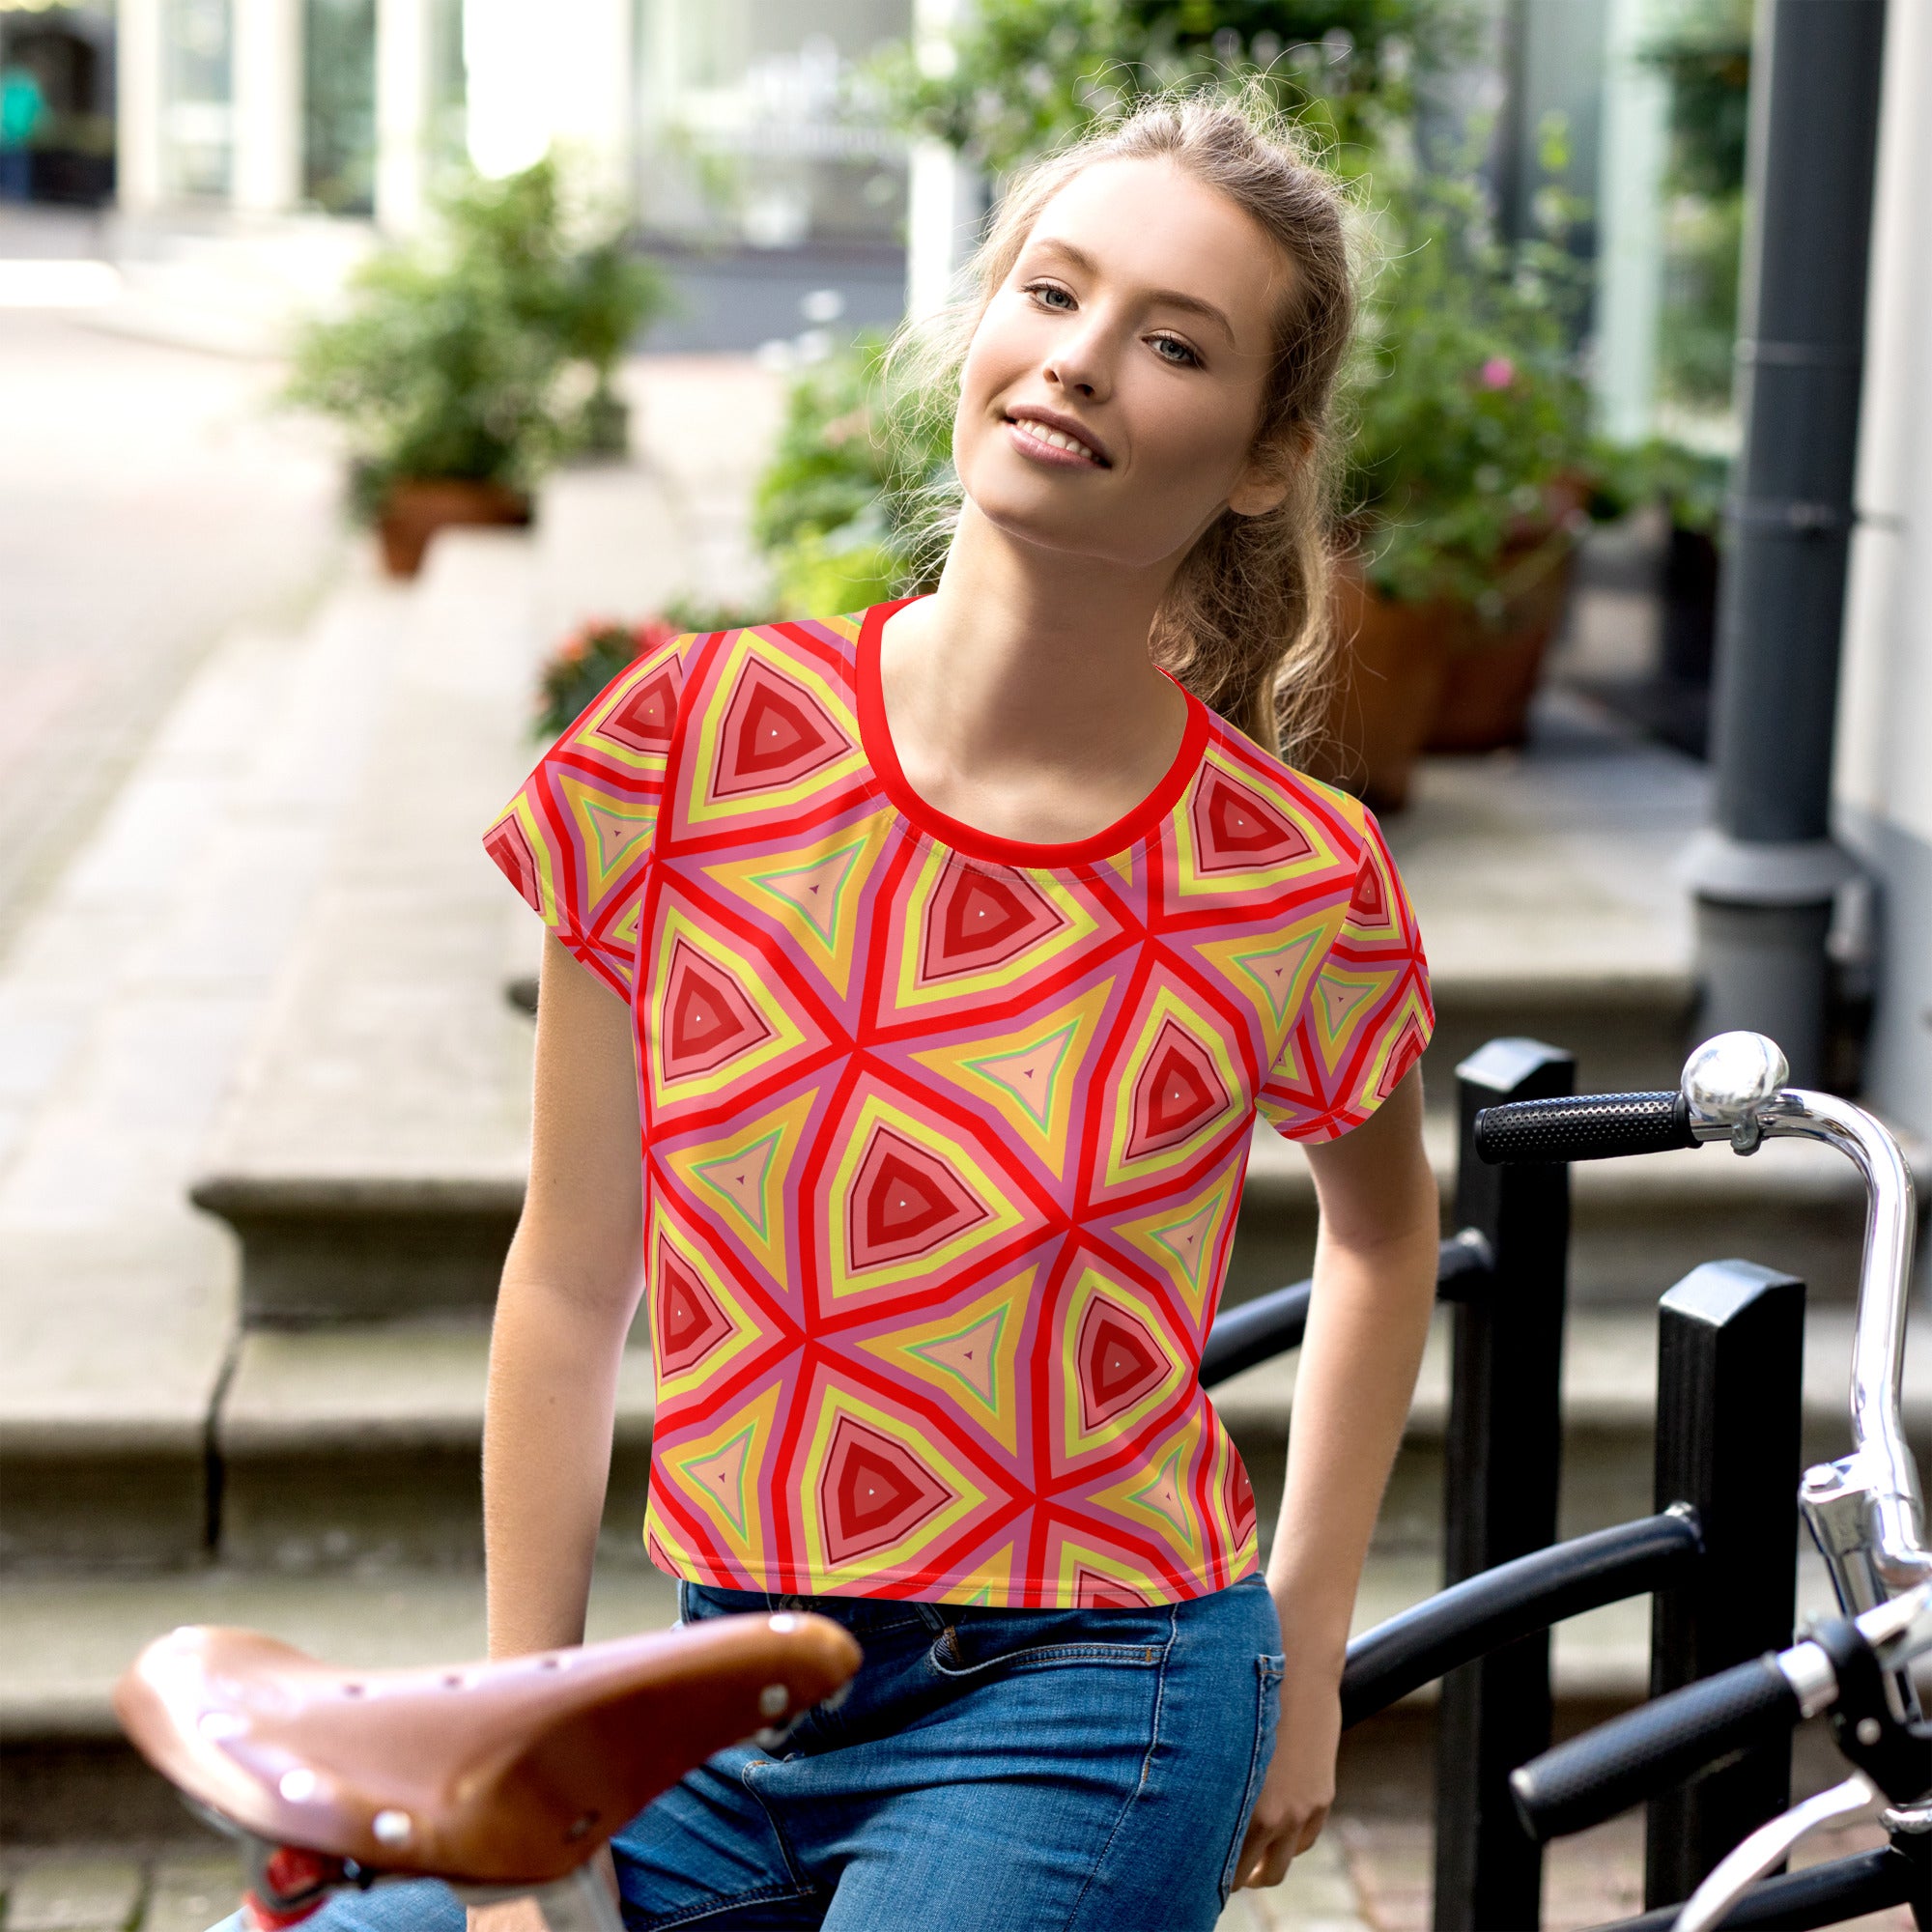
point(1179, 1088)
point(1236, 829)
point(1118, 1360)
point(1095, 1592)
point(905, 1202)
point(511, 851)
point(1368, 903)
point(690, 1322)
point(1237, 1494)
point(643, 719)
point(775, 733)
point(1408, 1050)
point(873, 1491)
point(979, 920)
point(707, 1019)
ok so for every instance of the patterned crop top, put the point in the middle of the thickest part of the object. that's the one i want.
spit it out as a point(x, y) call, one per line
point(944, 1134)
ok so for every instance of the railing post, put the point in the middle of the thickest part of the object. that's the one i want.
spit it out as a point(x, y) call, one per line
point(1500, 1467)
point(1730, 1391)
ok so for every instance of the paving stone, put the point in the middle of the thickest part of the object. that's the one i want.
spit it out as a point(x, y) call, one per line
point(190, 1894)
point(73, 1894)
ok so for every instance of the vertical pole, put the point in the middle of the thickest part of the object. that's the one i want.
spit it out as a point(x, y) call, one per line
point(1730, 1388)
point(140, 101)
point(1499, 1481)
point(402, 114)
point(1765, 870)
point(268, 107)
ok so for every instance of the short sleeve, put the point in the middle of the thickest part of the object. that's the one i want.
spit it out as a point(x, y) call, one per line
point(1368, 1013)
point(577, 838)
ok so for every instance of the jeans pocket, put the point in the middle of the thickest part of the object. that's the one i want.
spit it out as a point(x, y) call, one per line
point(1268, 1671)
point(984, 1646)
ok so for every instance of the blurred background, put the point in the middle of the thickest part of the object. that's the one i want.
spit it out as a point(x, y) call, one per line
point(377, 376)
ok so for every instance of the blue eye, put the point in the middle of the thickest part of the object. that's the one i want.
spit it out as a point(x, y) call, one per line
point(1040, 290)
point(1188, 360)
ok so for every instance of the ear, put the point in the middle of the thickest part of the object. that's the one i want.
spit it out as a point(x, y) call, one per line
point(1267, 475)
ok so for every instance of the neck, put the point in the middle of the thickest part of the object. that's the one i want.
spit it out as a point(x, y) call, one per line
point(1024, 656)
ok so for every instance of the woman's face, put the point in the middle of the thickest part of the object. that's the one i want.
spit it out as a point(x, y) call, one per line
point(1137, 324)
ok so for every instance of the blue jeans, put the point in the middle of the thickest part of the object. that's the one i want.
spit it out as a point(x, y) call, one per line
point(989, 1770)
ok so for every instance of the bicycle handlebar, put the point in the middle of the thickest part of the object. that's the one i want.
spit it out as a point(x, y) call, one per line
point(1584, 1126)
point(1650, 1749)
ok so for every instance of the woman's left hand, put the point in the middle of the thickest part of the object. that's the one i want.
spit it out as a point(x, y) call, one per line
point(1300, 1782)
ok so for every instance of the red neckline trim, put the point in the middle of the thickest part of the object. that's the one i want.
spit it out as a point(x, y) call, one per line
point(1127, 831)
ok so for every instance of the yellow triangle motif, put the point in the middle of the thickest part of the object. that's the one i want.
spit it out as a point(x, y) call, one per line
point(613, 833)
point(815, 892)
point(968, 1356)
point(1181, 1240)
point(723, 1471)
point(986, 1582)
point(744, 1177)
point(1275, 971)
point(1031, 1074)
point(1157, 1495)
point(1341, 999)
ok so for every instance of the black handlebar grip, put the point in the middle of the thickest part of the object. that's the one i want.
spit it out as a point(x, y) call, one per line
point(1584, 1126)
point(1652, 1749)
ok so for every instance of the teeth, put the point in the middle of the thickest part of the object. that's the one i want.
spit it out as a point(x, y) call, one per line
point(1043, 434)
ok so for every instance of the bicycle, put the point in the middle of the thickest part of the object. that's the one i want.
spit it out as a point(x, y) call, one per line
point(1863, 1511)
point(503, 1779)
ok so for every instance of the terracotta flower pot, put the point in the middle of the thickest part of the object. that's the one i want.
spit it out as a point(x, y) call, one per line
point(418, 507)
point(1492, 673)
point(1391, 660)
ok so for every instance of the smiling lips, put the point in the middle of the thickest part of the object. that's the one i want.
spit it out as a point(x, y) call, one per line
point(1037, 435)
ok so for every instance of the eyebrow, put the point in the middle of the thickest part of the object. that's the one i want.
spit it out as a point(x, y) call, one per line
point(1172, 298)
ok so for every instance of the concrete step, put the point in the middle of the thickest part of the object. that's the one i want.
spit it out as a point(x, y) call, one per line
point(360, 1447)
point(371, 1160)
point(67, 1774)
point(124, 1010)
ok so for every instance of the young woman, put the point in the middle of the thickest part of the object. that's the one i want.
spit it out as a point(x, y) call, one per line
point(938, 961)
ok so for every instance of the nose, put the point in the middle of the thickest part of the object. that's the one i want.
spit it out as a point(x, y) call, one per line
point(1079, 365)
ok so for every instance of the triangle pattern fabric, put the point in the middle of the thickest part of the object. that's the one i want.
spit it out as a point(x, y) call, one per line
point(969, 1354)
point(978, 920)
point(689, 1322)
point(1030, 1074)
point(642, 717)
point(707, 1019)
point(873, 1491)
point(1236, 830)
point(775, 733)
point(1274, 972)
point(1177, 1092)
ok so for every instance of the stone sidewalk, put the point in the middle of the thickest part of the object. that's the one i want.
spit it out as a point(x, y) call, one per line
point(149, 502)
point(1368, 1874)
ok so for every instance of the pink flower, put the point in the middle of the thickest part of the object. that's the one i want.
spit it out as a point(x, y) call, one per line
point(1497, 373)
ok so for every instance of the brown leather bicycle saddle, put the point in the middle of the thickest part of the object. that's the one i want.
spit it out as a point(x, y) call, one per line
point(493, 1773)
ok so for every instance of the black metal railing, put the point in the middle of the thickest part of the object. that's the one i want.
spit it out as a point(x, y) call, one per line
point(1723, 1532)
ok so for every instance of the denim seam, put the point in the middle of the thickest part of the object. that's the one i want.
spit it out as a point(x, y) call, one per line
point(1269, 1669)
point(1049, 1656)
point(1147, 1762)
point(769, 1894)
point(799, 1876)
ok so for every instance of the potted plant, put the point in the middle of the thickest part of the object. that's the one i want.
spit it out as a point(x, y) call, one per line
point(586, 660)
point(467, 365)
point(1468, 471)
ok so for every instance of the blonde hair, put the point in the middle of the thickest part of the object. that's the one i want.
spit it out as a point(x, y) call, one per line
point(1244, 623)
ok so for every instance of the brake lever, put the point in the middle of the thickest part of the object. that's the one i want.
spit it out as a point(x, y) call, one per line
point(1768, 1846)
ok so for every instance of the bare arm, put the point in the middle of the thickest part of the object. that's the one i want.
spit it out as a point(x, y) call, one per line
point(571, 1283)
point(1375, 1286)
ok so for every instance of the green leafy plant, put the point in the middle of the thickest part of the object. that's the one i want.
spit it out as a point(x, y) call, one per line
point(837, 510)
point(1019, 76)
point(586, 661)
point(484, 353)
point(1471, 419)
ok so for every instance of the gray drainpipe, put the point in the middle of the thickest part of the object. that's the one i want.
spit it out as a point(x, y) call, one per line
point(1765, 871)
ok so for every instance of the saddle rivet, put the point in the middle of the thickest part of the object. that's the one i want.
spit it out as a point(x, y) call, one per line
point(1869, 1732)
point(392, 1828)
point(785, 1622)
point(773, 1699)
point(297, 1786)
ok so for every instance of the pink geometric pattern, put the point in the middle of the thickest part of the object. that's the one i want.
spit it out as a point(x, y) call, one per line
point(944, 1134)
